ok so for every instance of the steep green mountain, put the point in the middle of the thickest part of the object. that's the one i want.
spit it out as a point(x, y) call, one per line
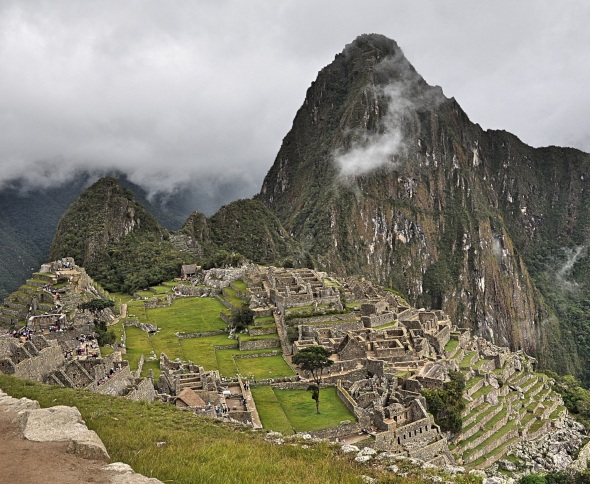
point(29, 218)
point(382, 175)
point(120, 244)
point(247, 226)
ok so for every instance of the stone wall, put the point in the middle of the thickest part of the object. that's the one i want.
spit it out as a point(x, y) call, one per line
point(341, 430)
point(38, 367)
point(140, 366)
point(259, 344)
point(226, 347)
point(308, 331)
point(299, 385)
point(226, 303)
point(492, 445)
point(328, 318)
point(430, 451)
point(378, 320)
point(225, 317)
point(114, 385)
point(487, 435)
point(252, 331)
point(143, 391)
point(258, 355)
point(199, 335)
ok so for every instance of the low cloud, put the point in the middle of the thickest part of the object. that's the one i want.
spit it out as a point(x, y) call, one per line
point(384, 148)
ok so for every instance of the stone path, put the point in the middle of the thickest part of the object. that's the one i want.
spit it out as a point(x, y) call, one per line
point(122, 316)
point(251, 404)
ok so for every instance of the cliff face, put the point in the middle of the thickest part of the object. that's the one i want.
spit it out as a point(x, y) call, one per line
point(383, 175)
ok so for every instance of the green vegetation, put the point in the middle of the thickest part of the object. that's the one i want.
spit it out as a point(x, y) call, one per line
point(264, 367)
point(446, 405)
point(299, 409)
point(241, 285)
point(451, 345)
point(197, 449)
point(270, 411)
point(314, 359)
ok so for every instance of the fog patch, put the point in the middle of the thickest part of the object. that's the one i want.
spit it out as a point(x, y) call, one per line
point(404, 94)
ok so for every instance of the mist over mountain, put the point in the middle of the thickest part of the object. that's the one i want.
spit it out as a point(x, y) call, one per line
point(384, 176)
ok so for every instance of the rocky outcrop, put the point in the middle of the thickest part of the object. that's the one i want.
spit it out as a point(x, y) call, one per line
point(62, 424)
point(65, 424)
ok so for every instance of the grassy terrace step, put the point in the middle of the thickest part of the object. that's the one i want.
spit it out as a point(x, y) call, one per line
point(266, 318)
point(557, 412)
point(496, 436)
point(247, 337)
point(240, 285)
point(499, 416)
point(232, 298)
point(477, 421)
point(478, 363)
point(451, 345)
point(497, 450)
point(467, 358)
point(528, 393)
point(536, 426)
point(482, 391)
point(472, 382)
point(475, 411)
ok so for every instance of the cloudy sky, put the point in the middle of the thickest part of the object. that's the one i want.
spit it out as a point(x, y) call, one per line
point(202, 93)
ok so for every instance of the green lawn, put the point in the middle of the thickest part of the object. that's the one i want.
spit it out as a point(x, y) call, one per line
point(264, 367)
point(467, 358)
point(242, 287)
point(201, 351)
point(105, 351)
point(232, 297)
point(188, 315)
point(266, 318)
point(270, 411)
point(138, 343)
point(451, 345)
point(301, 411)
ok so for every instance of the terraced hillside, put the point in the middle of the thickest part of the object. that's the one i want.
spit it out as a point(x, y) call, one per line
point(35, 299)
point(505, 403)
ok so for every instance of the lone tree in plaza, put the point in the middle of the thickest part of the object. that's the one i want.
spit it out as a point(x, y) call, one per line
point(314, 359)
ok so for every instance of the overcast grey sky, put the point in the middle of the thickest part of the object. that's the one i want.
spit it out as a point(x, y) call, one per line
point(203, 92)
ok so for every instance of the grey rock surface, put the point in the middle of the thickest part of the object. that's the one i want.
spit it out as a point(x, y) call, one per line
point(62, 424)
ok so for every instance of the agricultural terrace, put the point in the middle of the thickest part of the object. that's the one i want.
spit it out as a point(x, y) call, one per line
point(194, 315)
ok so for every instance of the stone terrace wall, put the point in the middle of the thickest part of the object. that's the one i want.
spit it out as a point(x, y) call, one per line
point(258, 355)
point(341, 430)
point(38, 367)
point(492, 445)
point(199, 335)
point(327, 318)
point(374, 320)
point(430, 451)
point(259, 344)
point(143, 391)
point(115, 385)
point(308, 331)
point(299, 385)
point(261, 331)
